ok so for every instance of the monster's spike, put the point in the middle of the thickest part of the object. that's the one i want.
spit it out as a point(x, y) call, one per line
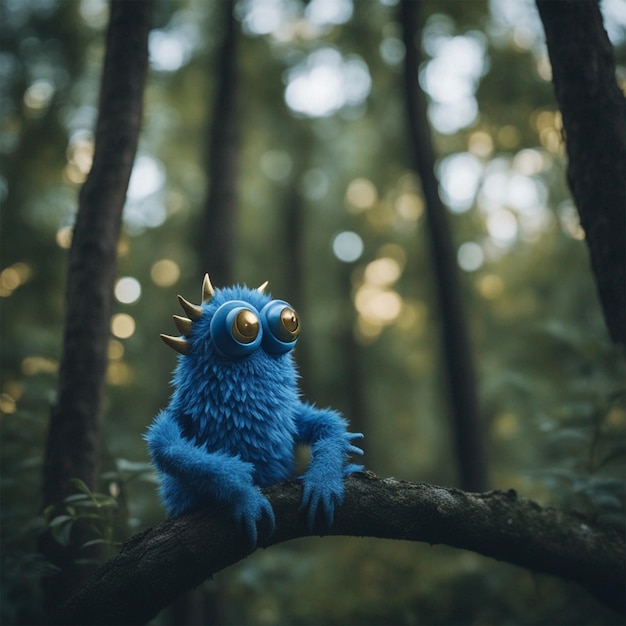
point(183, 324)
point(261, 288)
point(207, 289)
point(194, 312)
point(176, 343)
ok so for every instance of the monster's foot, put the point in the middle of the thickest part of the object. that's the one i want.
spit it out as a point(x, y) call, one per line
point(323, 491)
point(249, 510)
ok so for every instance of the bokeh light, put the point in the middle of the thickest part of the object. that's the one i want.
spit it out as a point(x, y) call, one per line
point(146, 178)
point(64, 237)
point(491, 286)
point(451, 77)
point(409, 206)
point(116, 350)
point(460, 176)
point(13, 277)
point(361, 194)
point(79, 157)
point(172, 49)
point(122, 326)
point(347, 246)
point(378, 306)
point(165, 273)
point(33, 365)
point(326, 82)
point(38, 96)
point(325, 12)
point(502, 226)
point(470, 256)
point(382, 272)
point(127, 290)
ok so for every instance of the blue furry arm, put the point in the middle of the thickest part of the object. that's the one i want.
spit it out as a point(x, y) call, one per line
point(326, 432)
point(192, 478)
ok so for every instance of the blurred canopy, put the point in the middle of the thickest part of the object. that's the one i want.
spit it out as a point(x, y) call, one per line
point(321, 131)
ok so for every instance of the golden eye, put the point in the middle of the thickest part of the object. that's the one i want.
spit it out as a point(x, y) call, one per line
point(290, 325)
point(245, 326)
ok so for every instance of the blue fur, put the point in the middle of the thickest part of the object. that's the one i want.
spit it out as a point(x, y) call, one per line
point(233, 423)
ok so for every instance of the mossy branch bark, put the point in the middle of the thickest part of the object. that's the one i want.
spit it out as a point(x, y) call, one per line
point(157, 565)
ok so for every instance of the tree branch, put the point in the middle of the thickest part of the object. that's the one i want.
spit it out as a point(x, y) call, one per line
point(157, 565)
point(594, 123)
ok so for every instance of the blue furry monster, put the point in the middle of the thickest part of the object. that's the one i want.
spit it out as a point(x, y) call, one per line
point(235, 416)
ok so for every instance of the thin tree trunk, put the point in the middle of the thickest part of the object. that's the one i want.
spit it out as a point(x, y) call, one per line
point(296, 270)
point(217, 243)
point(458, 358)
point(295, 246)
point(73, 443)
point(594, 124)
point(216, 239)
point(358, 407)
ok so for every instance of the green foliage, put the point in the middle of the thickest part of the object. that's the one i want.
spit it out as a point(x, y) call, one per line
point(96, 510)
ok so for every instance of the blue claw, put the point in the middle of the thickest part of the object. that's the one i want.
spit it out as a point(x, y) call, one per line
point(323, 491)
point(323, 481)
point(322, 499)
point(353, 449)
point(249, 511)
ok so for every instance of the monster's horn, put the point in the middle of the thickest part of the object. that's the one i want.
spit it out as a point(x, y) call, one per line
point(261, 288)
point(183, 324)
point(207, 289)
point(176, 343)
point(194, 312)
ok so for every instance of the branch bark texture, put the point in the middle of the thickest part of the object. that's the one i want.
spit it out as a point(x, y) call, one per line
point(594, 123)
point(458, 358)
point(72, 449)
point(156, 566)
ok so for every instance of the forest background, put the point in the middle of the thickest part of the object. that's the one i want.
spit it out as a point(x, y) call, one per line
point(329, 210)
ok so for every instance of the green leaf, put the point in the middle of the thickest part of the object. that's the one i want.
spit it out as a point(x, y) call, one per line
point(49, 569)
point(93, 516)
point(48, 511)
point(61, 533)
point(60, 519)
point(75, 498)
point(81, 486)
point(87, 504)
point(103, 500)
point(93, 542)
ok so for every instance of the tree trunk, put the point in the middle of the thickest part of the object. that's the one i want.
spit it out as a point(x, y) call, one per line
point(458, 359)
point(216, 238)
point(155, 566)
point(594, 124)
point(217, 235)
point(294, 237)
point(72, 449)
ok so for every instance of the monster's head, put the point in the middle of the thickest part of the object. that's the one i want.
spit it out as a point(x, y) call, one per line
point(234, 323)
